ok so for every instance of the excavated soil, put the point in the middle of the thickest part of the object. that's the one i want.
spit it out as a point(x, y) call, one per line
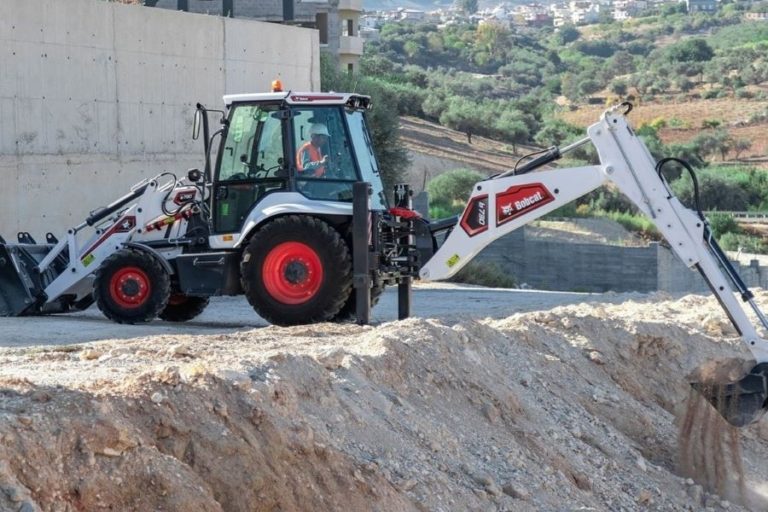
point(575, 408)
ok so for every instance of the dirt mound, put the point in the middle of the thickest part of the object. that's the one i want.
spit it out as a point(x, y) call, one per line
point(572, 408)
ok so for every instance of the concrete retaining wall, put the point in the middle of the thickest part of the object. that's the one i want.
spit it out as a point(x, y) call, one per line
point(550, 265)
point(95, 96)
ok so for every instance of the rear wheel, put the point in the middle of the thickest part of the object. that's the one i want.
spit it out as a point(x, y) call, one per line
point(297, 270)
point(131, 287)
point(181, 308)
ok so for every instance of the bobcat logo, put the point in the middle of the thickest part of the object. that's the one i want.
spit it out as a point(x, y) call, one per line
point(506, 209)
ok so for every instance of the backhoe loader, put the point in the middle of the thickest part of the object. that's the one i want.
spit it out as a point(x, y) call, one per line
point(313, 238)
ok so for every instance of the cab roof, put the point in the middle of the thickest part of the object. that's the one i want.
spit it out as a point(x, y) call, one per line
point(299, 98)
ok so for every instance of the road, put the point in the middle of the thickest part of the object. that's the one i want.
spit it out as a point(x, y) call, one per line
point(226, 314)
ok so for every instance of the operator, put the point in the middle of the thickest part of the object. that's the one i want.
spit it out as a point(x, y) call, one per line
point(310, 160)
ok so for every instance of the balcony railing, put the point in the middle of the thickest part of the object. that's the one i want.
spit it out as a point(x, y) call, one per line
point(350, 5)
point(351, 45)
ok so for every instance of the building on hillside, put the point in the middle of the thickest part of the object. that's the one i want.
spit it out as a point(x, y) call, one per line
point(756, 16)
point(701, 6)
point(337, 21)
point(625, 9)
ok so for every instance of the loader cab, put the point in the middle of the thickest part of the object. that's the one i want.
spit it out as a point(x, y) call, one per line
point(268, 145)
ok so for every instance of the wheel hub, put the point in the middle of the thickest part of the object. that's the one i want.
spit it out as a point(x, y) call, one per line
point(292, 273)
point(130, 287)
point(296, 272)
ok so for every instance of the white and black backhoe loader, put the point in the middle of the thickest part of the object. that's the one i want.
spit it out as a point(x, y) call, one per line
point(307, 235)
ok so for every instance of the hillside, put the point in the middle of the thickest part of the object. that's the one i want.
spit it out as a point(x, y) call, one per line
point(435, 149)
point(733, 115)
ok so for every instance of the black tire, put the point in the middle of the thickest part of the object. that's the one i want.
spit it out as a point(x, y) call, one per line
point(349, 310)
point(84, 303)
point(297, 270)
point(181, 308)
point(131, 287)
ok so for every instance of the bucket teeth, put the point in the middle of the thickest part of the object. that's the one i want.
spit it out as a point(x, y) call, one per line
point(742, 402)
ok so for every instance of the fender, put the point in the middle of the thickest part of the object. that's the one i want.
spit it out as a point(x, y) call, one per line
point(149, 250)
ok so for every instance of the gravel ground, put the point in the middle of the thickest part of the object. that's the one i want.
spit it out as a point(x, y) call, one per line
point(228, 314)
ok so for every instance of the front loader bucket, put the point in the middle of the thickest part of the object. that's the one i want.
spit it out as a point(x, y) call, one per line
point(741, 402)
point(17, 287)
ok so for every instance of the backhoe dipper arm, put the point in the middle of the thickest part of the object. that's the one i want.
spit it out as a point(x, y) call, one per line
point(502, 204)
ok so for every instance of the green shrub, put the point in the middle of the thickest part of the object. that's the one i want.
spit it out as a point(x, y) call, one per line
point(746, 243)
point(484, 274)
point(722, 223)
point(438, 212)
point(635, 223)
point(449, 192)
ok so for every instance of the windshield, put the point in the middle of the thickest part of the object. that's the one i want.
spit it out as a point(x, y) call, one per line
point(369, 168)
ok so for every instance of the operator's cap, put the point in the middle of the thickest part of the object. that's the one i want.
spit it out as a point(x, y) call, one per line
point(318, 129)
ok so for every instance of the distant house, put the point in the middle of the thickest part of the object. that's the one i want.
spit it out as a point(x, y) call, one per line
point(756, 16)
point(701, 5)
point(412, 15)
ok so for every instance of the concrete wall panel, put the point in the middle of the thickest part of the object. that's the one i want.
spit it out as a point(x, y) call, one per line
point(95, 96)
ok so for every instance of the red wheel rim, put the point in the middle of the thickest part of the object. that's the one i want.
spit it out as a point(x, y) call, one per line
point(130, 287)
point(292, 273)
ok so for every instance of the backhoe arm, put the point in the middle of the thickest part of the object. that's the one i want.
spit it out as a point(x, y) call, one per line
point(502, 204)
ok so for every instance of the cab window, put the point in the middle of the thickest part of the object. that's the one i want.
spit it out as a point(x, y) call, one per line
point(254, 144)
point(325, 167)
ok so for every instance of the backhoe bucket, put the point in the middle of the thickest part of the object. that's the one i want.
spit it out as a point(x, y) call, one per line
point(741, 402)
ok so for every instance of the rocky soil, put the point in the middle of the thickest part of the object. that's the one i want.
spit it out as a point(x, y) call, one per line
point(572, 408)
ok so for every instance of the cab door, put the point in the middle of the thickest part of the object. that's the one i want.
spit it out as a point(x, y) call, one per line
point(251, 163)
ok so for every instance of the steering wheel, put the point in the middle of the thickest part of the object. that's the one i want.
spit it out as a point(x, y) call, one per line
point(270, 169)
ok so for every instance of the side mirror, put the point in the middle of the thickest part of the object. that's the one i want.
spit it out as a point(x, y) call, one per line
point(194, 175)
point(196, 124)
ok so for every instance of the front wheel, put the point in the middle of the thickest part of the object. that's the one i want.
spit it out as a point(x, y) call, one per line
point(297, 270)
point(131, 287)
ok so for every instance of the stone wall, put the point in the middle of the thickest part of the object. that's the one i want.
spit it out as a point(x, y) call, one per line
point(552, 265)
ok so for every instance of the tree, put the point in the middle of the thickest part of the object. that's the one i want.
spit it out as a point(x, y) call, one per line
point(448, 192)
point(567, 34)
point(555, 132)
point(468, 6)
point(690, 50)
point(492, 37)
point(384, 120)
point(619, 87)
point(741, 145)
point(588, 87)
point(463, 115)
point(622, 63)
point(714, 142)
point(510, 125)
